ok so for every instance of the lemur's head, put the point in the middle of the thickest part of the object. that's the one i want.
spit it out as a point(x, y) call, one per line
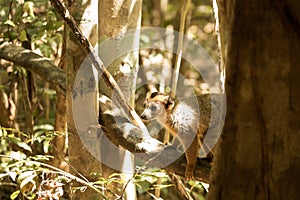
point(156, 106)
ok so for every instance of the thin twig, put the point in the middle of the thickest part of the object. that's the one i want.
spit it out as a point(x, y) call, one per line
point(176, 179)
point(184, 10)
point(182, 190)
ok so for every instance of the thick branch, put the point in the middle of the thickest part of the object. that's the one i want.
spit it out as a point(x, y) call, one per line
point(122, 132)
point(125, 134)
point(37, 64)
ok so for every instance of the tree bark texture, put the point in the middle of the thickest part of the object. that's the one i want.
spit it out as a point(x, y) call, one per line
point(42, 66)
point(115, 19)
point(60, 126)
point(78, 94)
point(8, 109)
point(59, 142)
point(258, 154)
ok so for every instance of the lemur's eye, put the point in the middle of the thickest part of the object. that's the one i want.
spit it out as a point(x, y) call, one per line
point(153, 108)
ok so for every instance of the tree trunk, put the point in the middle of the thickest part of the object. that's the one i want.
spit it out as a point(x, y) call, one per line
point(115, 19)
point(59, 142)
point(60, 126)
point(258, 153)
point(78, 94)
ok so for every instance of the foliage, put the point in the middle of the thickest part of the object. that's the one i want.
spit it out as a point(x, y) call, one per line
point(34, 25)
point(31, 21)
point(24, 170)
point(28, 175)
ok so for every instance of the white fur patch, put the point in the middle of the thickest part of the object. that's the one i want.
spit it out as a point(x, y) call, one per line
point(184, 117)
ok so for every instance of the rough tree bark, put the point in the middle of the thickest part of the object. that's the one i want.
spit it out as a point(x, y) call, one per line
point(115, 19)
point(258, 154)
point(59, 142)
point(8, 109)
point(81, 96)
point(42, 66)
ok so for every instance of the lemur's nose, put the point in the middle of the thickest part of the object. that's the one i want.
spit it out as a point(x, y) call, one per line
point(143, 116)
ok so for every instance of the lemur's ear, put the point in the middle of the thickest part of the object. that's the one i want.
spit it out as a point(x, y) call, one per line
point(169, 104)
point(153, 94)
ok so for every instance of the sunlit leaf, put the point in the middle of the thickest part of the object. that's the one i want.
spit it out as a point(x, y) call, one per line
point(46, 145)
point(14, 131)
point(17, 155)
point(18, 142)
point(47, 127)
point(163, 186)
point(3, 175)
point(15, 194)
point(27, 183)
point(23, 36)
point(24, 146)
point(41, 157)
point(21, 144)
point(39, 136)
point(145, 39)
point(10, 23)
point(13, 175)
point(160, 174)
point(49, 91)
point(101, 181)
point(28, 8)
point(82, 188)
point(26, 174)
point(3, 132)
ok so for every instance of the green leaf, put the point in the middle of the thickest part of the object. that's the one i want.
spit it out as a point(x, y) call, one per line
point(17, 155)
point(23, 36)
point(41, 157)
point(38, 135)
point(18, 142)
point(47, 127)
point(25, 146)
point(100, 181)
point(27, 182)
point(10, 23)
point(29, 179)
point(46, 145)
point(3, 175)
point(26, 174)
point(54, 25)
point(28, 8)
point(13, 175)
point(163, 186)
point(11, 35)
point(15, 194)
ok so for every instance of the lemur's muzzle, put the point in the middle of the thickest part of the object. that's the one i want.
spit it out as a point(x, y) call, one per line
point(145, 117)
